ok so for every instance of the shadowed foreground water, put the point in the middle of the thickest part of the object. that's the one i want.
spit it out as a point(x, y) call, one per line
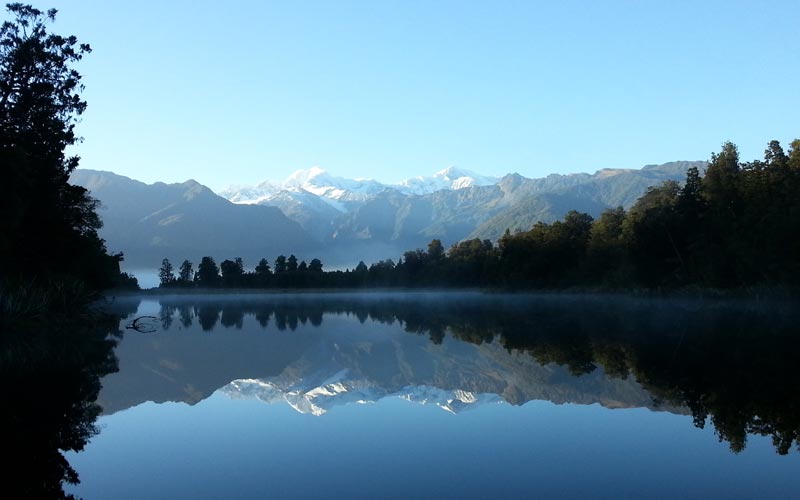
point(455, 395)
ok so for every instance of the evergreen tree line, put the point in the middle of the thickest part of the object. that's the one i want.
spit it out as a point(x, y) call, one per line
point(736, 226)
point(231, 274)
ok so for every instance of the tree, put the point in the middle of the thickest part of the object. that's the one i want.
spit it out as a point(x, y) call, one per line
point(207, 272)
point(263, 269)
point(380, 273)
point(48, 226)
point(691, 233)
point(291, 263)
point(412, 265)
point(315, 266)
point(186, 272)
point(232, 272)
point(691, 194)
point(650, 230)
point(280, 264)
point(774, 155)
point(471, 262)
point(606, 248)
point(165, 273)
point(435, 250)
point(794, 155)
point(719, 182)
point(721, 190)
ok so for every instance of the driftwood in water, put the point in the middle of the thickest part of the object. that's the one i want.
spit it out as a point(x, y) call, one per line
point(142, 326)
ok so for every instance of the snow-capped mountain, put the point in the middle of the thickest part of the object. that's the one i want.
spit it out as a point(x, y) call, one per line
point(251, 195)
point(337, 191)
point(449, 178)
point(319, 182)
point(343, 389)
point(316, 199)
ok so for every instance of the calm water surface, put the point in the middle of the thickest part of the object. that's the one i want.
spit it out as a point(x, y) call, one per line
point(447, 396)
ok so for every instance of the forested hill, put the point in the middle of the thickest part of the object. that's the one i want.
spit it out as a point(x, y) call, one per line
point(549, 198)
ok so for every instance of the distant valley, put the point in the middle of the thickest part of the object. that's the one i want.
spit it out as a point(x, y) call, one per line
point(315, 214)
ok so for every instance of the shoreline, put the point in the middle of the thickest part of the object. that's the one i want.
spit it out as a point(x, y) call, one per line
point(757, 294)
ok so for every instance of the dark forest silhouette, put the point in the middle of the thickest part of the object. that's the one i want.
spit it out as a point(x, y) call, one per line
point(737, 226)
point(50, 372)
point(54, 347)
point(48, 232)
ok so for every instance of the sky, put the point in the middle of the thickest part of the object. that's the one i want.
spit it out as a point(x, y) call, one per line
point(238, 93)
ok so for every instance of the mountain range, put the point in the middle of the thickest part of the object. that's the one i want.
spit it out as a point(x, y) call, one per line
point(315, 214)
point(148, 222)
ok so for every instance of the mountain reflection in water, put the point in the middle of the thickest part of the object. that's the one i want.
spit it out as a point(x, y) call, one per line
point(728, 362)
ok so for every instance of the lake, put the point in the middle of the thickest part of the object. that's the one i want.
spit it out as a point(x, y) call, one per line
point(446, 395)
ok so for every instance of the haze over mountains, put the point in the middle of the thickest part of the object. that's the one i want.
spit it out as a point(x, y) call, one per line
point(150, 222)
point(315, 214)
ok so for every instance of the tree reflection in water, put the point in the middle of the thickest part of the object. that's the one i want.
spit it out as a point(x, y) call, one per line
point(50, 373)
point(730, 362)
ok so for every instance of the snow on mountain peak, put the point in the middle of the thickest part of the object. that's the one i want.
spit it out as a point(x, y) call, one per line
point(337, 190)
point(453, 172)
point(449, 178)
point(340, 389)
point(300, 178)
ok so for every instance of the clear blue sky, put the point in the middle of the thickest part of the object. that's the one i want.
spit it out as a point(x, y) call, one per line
point(236, 94)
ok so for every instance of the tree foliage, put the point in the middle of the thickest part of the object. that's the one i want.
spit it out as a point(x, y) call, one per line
point(49, 227)
point(186, 272)
point(165, 274)
point(207, 272)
